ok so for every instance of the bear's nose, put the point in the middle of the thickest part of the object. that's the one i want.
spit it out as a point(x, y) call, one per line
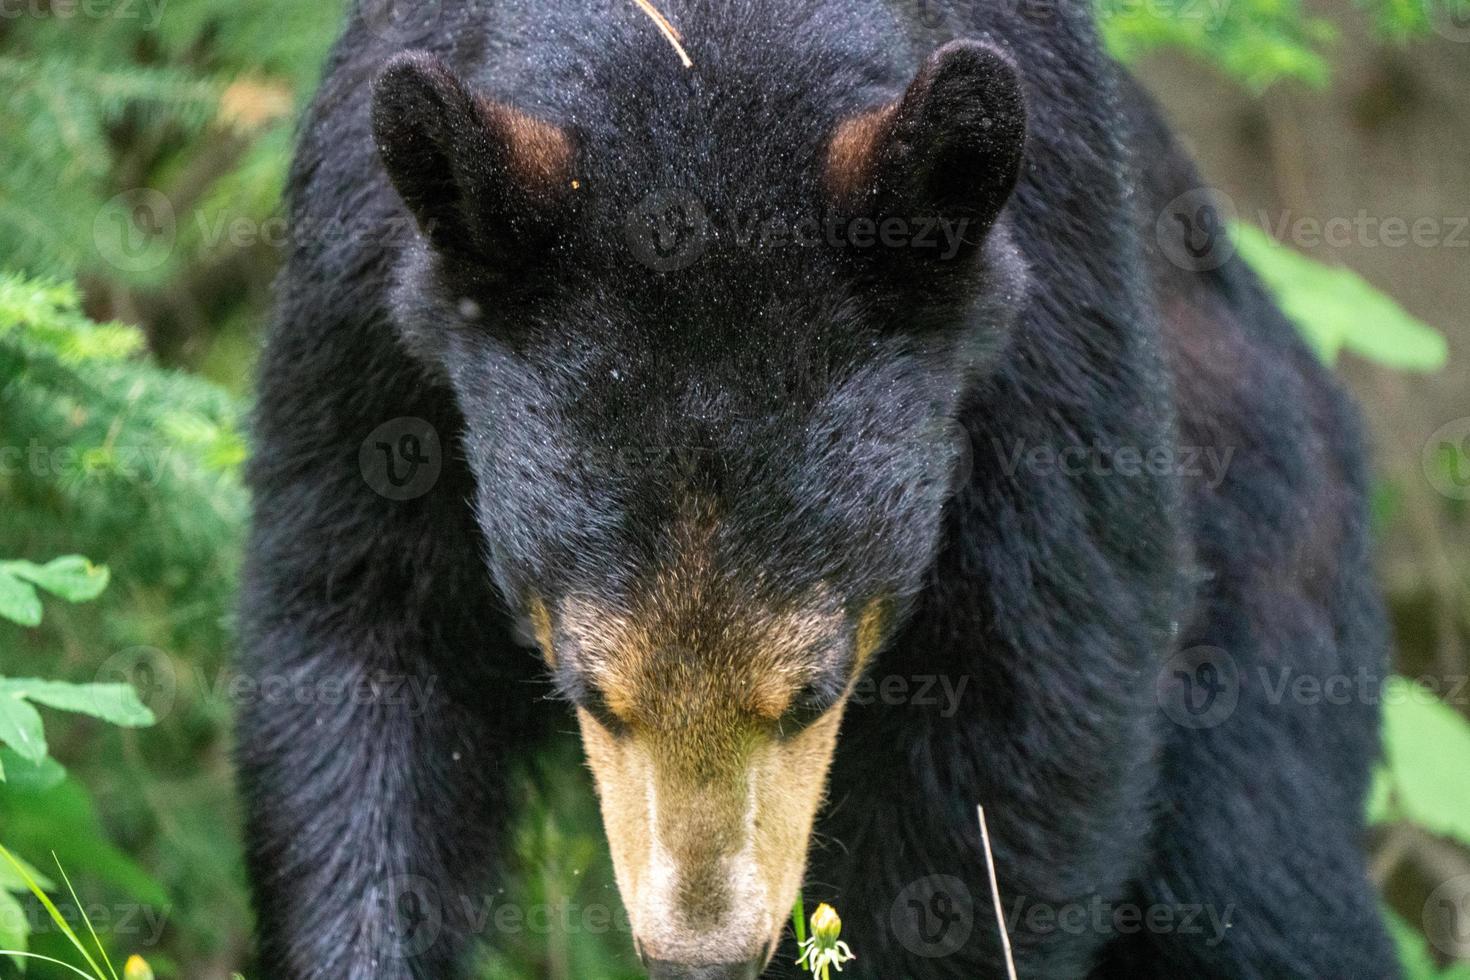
point(749, 970)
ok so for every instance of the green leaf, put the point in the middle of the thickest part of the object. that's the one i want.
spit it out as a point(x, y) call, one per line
point(1420, 732)
point(116, 703)
point(23, 775)
point(70, 577)
point(18, 600)
point(63, 820)
point(1414, 954)
point(1336, 310)
point(13, 880)
point(15, 928)
point(20, 728)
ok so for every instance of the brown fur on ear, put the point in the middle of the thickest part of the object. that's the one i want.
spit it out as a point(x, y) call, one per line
point(467, 167)
point(853, 155)
point(951, 145)
point(871, 627)
point(541, 627)
point(538, 154)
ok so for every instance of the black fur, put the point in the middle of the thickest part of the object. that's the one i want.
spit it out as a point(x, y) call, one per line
point(817, 392)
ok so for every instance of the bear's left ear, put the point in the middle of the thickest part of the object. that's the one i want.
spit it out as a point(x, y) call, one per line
point(950, 147)
point(472, 171)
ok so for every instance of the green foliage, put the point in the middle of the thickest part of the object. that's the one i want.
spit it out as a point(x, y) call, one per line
point(1420, 733)
point(72, 578)
point(1414, 956)
point(135, 133)
point(103, 452)
point(21, 731)
point(1256, 42)
point(1336, 310)
point(126, 94)
point(559, 916)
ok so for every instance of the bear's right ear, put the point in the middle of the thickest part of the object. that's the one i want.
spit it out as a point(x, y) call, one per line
point(951, 146)
point(468, 168)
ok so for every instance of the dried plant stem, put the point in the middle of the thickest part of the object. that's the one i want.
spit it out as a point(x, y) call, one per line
point(668, 29)
point(1000, 918)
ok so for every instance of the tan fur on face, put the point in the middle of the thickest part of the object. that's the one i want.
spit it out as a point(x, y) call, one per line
point(708, 808)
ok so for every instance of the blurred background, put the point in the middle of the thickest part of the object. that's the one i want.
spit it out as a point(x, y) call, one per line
point(142, 149)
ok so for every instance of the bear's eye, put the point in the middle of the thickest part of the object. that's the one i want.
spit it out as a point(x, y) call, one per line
point(584, 693)
point(594, 702)
point(813, 700)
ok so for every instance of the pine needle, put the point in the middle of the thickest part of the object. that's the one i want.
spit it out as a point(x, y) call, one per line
point(668, 30)
point(1000, 918)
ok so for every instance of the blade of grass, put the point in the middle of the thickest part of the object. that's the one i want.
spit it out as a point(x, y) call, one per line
point(46, 959)
point(85, 918)
point(1000, 916)
point(798, 920)
point(56, 916)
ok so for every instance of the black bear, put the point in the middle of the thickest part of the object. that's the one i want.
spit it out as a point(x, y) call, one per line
point(850, 408)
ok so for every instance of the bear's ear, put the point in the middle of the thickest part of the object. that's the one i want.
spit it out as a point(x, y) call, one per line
point(469, 169)
point(950, 147)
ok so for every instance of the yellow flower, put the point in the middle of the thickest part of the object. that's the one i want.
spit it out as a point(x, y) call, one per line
point(823, 950)
point(826, 924)
point(137, 968)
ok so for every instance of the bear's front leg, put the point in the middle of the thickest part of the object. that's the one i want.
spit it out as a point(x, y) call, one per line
point(375, 794)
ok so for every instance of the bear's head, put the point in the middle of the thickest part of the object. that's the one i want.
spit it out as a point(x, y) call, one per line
point(710, 375)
